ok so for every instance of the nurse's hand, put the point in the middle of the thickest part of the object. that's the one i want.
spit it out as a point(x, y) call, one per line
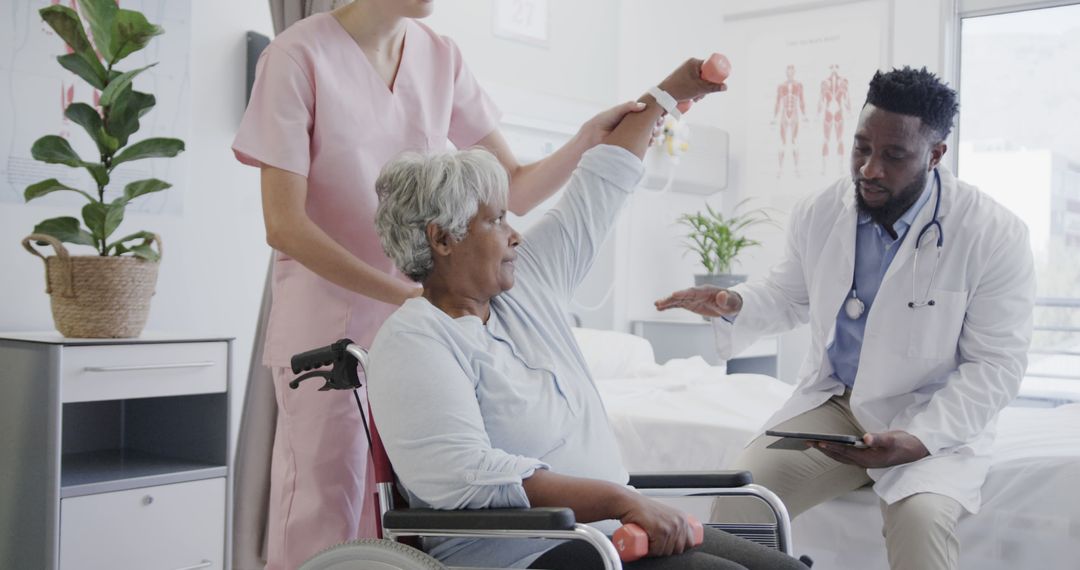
point(705, 300)
point(884, 449)
point(409, 292)
point(686, 84)
point(599, 127)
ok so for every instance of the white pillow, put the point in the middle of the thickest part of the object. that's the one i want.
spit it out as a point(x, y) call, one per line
point(612, 354)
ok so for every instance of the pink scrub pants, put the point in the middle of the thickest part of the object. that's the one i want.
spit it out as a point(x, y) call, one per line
point(322, 487)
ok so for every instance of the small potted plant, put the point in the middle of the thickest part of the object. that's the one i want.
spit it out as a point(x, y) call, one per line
point(717, 241)
point(107, 294)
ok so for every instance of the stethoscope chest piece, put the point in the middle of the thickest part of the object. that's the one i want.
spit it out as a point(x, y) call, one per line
point(934, 224)
point(853, 306)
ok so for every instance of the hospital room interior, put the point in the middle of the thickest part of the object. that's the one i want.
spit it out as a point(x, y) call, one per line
point(421, 284)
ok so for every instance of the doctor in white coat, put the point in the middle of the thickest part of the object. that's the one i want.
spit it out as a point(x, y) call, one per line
point(918, 289)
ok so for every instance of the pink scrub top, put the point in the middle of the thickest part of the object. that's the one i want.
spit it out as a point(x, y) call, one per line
point(319, 109)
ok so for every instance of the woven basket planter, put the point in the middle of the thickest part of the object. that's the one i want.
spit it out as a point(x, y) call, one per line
point(95, 296)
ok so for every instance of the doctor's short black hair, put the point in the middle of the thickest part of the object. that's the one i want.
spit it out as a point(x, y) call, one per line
point(915, 92)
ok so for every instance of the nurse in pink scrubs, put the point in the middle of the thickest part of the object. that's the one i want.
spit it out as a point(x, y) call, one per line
point(336, 96)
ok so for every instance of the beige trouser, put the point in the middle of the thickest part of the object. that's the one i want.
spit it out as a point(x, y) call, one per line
point(920, 530)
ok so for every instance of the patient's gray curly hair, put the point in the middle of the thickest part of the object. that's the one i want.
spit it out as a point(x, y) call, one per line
point(447, 188)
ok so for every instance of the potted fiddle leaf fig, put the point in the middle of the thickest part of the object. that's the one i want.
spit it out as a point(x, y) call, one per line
point(718, 240)
point(105, 295)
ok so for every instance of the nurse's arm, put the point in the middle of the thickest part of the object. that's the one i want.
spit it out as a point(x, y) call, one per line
point(531, 184)
point(290, 231)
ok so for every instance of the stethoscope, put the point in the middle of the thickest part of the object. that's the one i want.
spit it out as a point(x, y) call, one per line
point(854, 307)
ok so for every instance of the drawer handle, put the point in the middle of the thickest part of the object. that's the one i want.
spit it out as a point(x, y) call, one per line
point(148, 367)
point(203, 564)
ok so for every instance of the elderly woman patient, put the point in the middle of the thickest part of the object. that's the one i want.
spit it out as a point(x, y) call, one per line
point(481, 395)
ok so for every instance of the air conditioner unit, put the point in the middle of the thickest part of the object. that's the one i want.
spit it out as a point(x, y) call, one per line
point(701, 169)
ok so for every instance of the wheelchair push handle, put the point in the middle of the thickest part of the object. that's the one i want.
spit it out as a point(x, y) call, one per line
point(319, 357)
point(632, 542)
point(343, 356)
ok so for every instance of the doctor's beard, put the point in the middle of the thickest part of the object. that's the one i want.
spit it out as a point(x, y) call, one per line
point(897, 203)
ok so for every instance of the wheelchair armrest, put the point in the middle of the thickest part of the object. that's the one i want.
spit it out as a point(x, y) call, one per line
point(691, 480)
point(481, 519)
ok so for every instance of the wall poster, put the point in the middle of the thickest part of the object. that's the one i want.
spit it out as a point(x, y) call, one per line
point(807, 70)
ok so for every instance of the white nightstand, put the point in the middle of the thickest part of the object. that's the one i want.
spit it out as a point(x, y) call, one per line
point(115, 452)
point(683, 339)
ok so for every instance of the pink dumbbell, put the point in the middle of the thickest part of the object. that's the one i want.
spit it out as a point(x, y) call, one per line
point(715, 70)
point(632, 543)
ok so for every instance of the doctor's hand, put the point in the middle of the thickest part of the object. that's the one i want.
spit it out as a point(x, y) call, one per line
point(705, 300)
point(884, 449)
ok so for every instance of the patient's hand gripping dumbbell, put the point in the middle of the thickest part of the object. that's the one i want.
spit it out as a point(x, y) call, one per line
point(632, 542)
point(714, 70)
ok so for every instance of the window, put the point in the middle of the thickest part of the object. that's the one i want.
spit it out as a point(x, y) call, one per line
point(1019, 118)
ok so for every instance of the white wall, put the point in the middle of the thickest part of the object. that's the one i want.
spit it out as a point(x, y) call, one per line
point(545, 93)
point(578, 64)
point(633, 44)
point(657, 36)
point(698, 27)
point(217, 285)
point(215, 256)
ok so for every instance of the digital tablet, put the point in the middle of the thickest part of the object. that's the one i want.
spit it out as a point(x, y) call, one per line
point(797, 440)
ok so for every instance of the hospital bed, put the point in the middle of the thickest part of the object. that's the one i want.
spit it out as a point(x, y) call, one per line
point(339, 367)
point(688, 415)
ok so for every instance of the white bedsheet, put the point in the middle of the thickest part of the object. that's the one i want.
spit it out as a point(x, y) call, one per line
point(686, 415)
point(665, 420)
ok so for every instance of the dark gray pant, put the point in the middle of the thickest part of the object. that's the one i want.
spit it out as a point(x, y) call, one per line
point(719, 551)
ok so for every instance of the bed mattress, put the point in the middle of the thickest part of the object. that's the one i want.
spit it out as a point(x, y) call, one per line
point(686, 415)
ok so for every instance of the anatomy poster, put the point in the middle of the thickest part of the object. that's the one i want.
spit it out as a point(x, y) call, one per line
point(35, 90)
point(807, 73)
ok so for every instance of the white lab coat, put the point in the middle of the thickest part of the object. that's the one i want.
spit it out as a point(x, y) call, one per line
point(941, 373)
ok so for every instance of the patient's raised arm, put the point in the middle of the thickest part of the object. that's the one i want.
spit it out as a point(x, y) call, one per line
point(683, 84)
point(559, 249)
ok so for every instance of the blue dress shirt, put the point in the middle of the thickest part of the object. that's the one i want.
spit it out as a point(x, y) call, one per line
point(874, 251)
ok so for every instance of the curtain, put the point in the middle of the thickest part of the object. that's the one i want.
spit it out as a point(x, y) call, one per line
point(288, 12)
point(254, 446)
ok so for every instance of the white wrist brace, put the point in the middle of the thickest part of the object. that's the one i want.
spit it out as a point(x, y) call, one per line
point(666, 101)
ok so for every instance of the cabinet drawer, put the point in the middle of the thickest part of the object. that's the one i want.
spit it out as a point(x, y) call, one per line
point(166, 527)
point(113, 372)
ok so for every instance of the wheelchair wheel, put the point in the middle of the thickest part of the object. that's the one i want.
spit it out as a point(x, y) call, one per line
point(372, 554)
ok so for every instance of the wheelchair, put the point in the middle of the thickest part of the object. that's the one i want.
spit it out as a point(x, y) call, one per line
point(400, 527)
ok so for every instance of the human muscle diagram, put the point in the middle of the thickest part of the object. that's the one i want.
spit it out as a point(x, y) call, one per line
point(833, 104)
point(804, 74)
point(790, 108)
